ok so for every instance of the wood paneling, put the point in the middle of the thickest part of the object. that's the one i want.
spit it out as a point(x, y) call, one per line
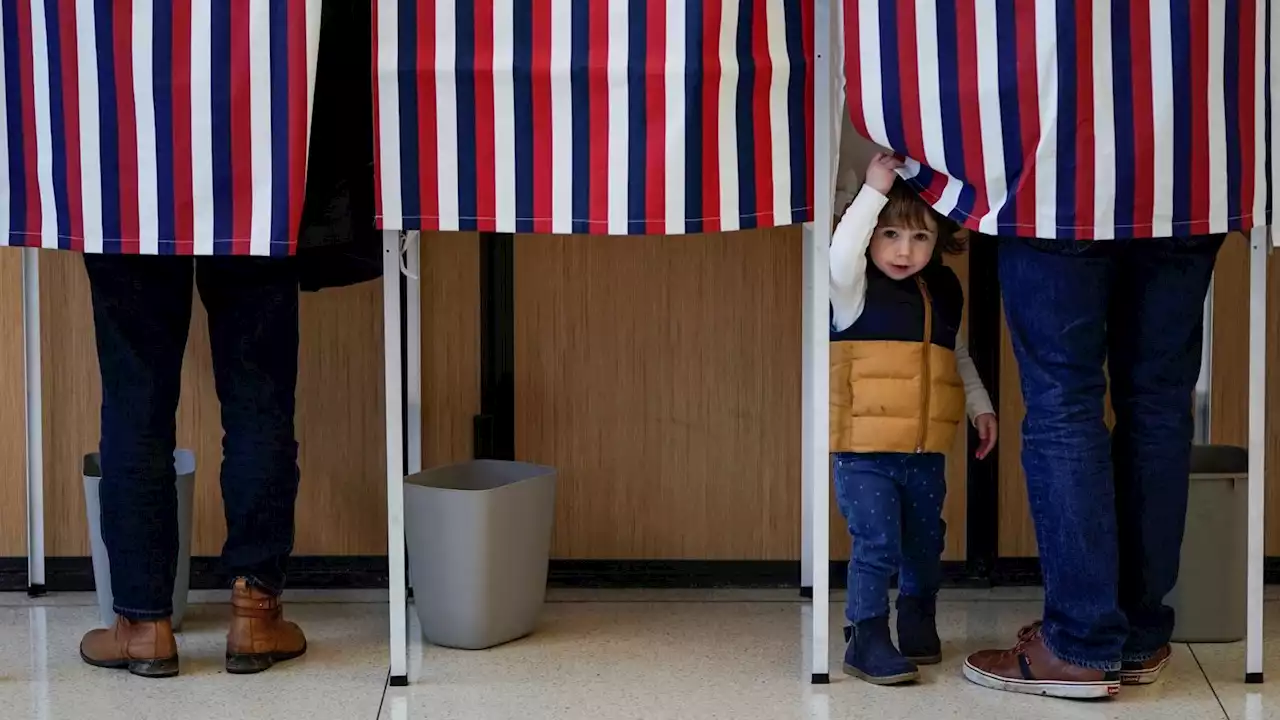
point(450, 346)
point(13, 452)
point(661, 375)
point(1229, 412)
point(341, 504)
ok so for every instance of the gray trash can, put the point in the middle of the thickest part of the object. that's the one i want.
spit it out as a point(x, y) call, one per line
point(479, 538)
point(1210, 599)
point(184, 464)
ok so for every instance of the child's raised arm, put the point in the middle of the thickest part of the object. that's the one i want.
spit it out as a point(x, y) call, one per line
point(852, 236)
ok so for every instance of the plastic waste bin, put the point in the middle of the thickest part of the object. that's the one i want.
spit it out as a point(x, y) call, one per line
point(479, 538)
point(1210, 599)
point(184, 465)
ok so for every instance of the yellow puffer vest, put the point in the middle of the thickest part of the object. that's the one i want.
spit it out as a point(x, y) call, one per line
point(895, 395)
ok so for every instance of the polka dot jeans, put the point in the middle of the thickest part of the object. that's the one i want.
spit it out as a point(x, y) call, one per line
point(892, 503)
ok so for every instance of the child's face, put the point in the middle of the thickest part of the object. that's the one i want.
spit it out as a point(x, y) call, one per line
point(901, 252)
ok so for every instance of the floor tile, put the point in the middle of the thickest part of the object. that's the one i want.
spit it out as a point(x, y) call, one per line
point(342, 675)
point(1224, 666)
point(654, 659)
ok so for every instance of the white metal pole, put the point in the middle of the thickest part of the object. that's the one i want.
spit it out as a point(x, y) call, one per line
point(394, 386)
point(34, 421)
point(413, 354)
point(413, 350)
point(817, 350)
point(1259, 247)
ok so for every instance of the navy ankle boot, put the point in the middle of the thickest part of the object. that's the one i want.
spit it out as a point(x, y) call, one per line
point(872, 657)
point(918, 630)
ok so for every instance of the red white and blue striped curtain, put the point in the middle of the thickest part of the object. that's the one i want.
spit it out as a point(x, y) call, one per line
point(1085, 119)
point(594, 116)
point(155, 126)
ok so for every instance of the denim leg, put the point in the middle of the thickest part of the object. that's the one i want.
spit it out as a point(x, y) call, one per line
point(867, 492)
point(253, 330)
point(924, 533)
point(1056, 296)
point(141, 315)
point(1156, 326)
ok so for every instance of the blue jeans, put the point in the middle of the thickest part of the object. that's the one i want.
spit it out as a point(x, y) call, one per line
point(892, 503)
point(141, 313)
point(1109, 508)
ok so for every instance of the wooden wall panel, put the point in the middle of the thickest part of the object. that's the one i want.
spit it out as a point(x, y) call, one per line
point(341, 505)
point(450, 346)
point(13, 452)
point(661, 376)
point(1229, 412)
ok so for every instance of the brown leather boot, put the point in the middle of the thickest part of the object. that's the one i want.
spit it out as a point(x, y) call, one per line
point(259, 636)
point(144, 648)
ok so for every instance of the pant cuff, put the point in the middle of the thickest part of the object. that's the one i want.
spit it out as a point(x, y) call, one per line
point(258, 583)
point(1078, 661)
point(142, 615)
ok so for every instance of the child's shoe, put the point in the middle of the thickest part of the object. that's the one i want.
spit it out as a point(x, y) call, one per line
point(918, 630)
point(872, 657)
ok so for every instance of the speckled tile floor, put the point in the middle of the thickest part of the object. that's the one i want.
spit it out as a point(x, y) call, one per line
point(599, 655)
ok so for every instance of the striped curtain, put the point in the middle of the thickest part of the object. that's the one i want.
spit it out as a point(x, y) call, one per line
point(593, 116)
point(1084, 119)
point(155, 126)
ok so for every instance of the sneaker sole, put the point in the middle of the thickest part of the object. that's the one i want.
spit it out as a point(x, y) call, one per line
point(1143, 677)
point(156, 669)
point(1056, 688)
point(881, 679)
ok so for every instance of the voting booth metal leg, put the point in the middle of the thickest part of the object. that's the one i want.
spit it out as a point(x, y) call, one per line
point(391, 309)
point(413, 357)
point(1259, 249)
point(34, 420)
point(816, 378)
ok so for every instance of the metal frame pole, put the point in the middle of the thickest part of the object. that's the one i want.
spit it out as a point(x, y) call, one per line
point(1259, 249)
point(34, 421)
point(815, 378)
point(394, 389)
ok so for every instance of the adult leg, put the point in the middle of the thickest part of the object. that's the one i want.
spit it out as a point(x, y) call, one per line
point(1156, 326)
point(1055, 300)
point(141, 313)
point(253, 330)
point(923, 490)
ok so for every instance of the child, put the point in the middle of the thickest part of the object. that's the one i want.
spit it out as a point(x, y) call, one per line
point(900, 378)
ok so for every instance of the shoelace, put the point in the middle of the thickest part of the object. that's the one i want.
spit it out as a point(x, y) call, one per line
point(1027, 635)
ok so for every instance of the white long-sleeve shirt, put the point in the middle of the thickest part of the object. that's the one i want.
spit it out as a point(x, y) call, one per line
point(849, 287)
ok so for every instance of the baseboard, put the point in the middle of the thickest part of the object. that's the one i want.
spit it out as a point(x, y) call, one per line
point(334, 572)
point(324, 572)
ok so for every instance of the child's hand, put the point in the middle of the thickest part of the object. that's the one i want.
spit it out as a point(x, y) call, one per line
point(881, 172)
point(988, 431)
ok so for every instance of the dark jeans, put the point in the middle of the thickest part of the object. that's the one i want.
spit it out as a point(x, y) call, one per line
point(892, 503)
point(1109, 508)
point(141, 312)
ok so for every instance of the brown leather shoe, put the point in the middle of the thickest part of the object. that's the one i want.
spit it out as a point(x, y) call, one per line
point(144, 648)
point(1031, 668)
point(1145, 673)
point(259, 636)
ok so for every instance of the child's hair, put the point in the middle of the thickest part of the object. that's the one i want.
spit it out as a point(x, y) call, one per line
point(906, 209)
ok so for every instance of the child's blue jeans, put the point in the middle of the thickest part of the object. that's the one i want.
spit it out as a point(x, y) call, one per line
point(892, 503)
